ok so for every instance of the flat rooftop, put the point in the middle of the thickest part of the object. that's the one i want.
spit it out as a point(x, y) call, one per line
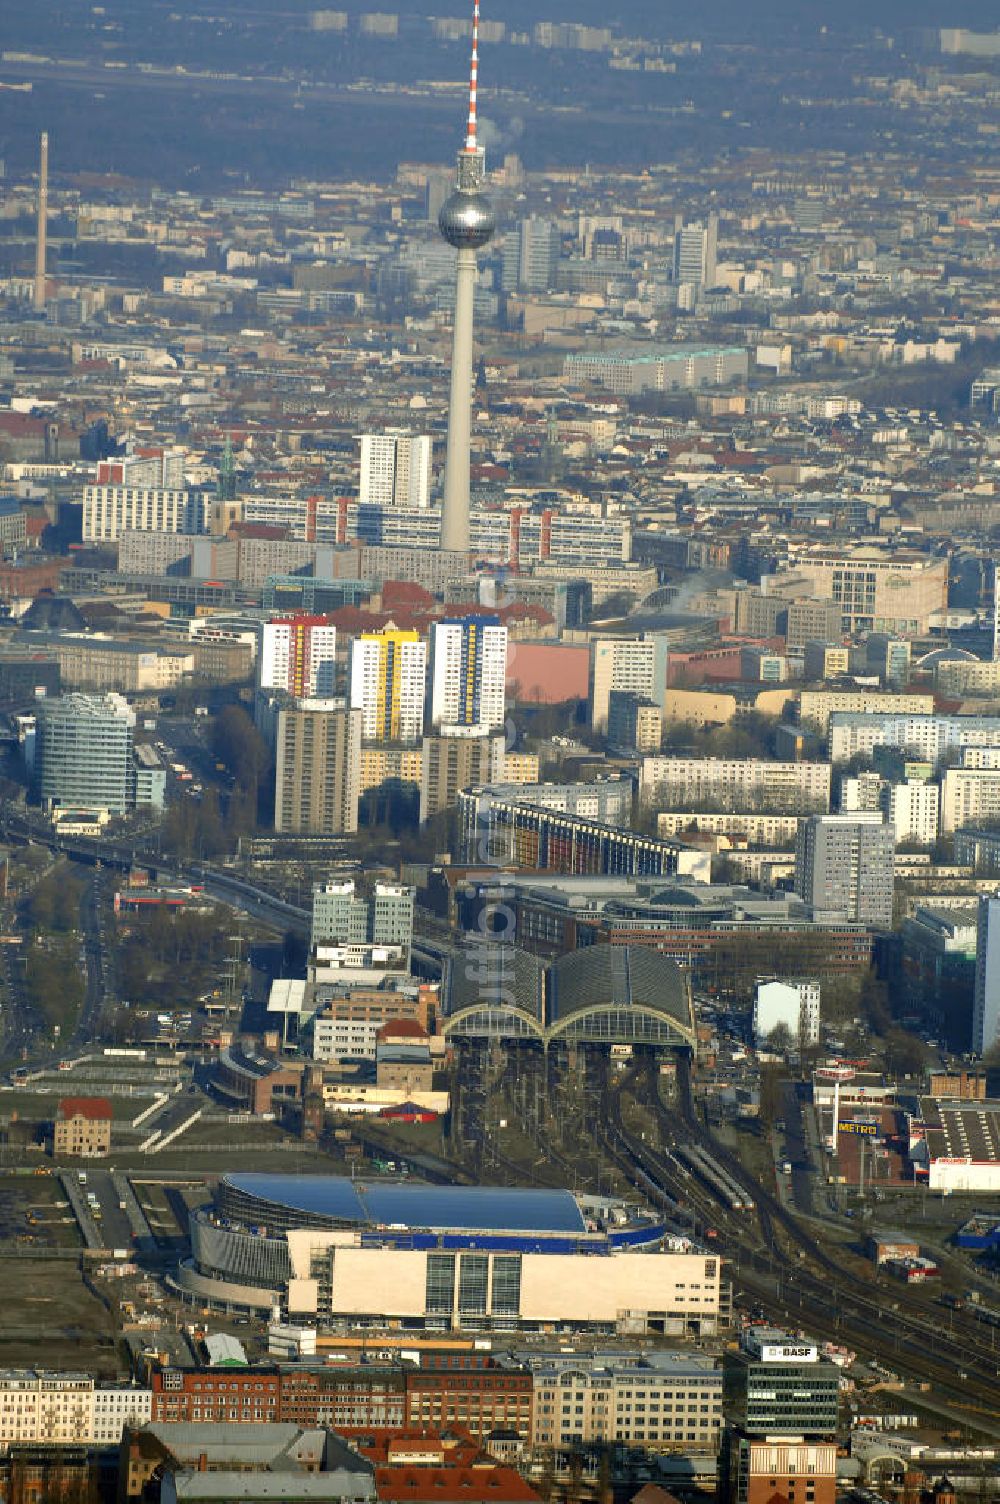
point(962, 1130)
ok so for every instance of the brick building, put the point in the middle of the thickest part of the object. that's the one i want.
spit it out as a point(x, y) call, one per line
point(353, 1400)
point(472, 1391)
point(246, 1395)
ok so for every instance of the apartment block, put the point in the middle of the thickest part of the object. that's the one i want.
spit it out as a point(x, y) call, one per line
point(632, 665)
point(109, 511)
point(825, 660)
point(298, 654)
point(468, 669)
point(792, 1005)
point(635, 724)
point(844, 867)
point(143, 552)
point(926, 737)
point(777, 832)
point(912, 809)
point(737, 784)
point(380, 765)
point(317, 767)
point(395, 469)
point(680, 368)
point(64, 1409)
point(968, 797)
point(388, 675)
point(817, 705)
point(457, 759)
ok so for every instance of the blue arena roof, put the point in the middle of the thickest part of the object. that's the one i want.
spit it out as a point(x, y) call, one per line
point(467, 1208)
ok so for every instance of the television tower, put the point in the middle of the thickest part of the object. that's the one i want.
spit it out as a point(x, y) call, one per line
point(467, 222)
point(43, 224)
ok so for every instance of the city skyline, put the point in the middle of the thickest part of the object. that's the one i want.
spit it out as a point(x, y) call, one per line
point(500, 739)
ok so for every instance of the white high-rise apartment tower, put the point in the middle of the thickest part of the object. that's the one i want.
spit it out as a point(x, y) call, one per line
point(298, 654)
point(388, 677)
point(395, 468)
point(694, 251)
point(986, 997)
point(468, 672)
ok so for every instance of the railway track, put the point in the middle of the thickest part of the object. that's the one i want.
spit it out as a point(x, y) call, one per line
point(779, 1265)
point(793, 1274)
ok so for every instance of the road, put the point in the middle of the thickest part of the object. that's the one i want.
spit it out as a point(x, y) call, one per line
point(113, 1224)
point(798, 1150)
point(96, 989)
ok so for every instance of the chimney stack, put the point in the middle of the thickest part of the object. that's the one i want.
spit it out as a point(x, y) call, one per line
point(43, 219)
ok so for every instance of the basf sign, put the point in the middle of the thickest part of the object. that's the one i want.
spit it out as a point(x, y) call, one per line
point(788, 1352)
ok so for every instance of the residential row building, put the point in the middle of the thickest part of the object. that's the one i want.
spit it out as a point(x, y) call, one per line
point(111, 510)
point(38, 1405)
point(929, 737)
point(736, 784)
point(517, 534)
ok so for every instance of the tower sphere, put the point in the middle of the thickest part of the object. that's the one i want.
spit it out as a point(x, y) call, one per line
point(467, 220)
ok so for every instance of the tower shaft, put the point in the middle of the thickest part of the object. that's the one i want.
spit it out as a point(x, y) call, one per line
point(455, 511)
point(43, 223)
point(467, 222)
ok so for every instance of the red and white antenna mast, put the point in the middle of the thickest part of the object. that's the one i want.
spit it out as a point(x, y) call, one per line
point(471, 143)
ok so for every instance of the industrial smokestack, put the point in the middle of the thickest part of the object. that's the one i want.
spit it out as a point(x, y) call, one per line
point(43, 224)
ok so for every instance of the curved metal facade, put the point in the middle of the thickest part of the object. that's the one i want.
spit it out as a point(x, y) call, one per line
point(602, 994)
point(242, 1258)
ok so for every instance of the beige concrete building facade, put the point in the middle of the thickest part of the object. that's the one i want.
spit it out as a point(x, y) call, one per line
point(317, 774)
point(759, 830)
point(676, 1293)
point(877, 590)
point(385, 764)
point(453, 761)
point(667, 1401)
point(816, 706)
point(710, 707)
